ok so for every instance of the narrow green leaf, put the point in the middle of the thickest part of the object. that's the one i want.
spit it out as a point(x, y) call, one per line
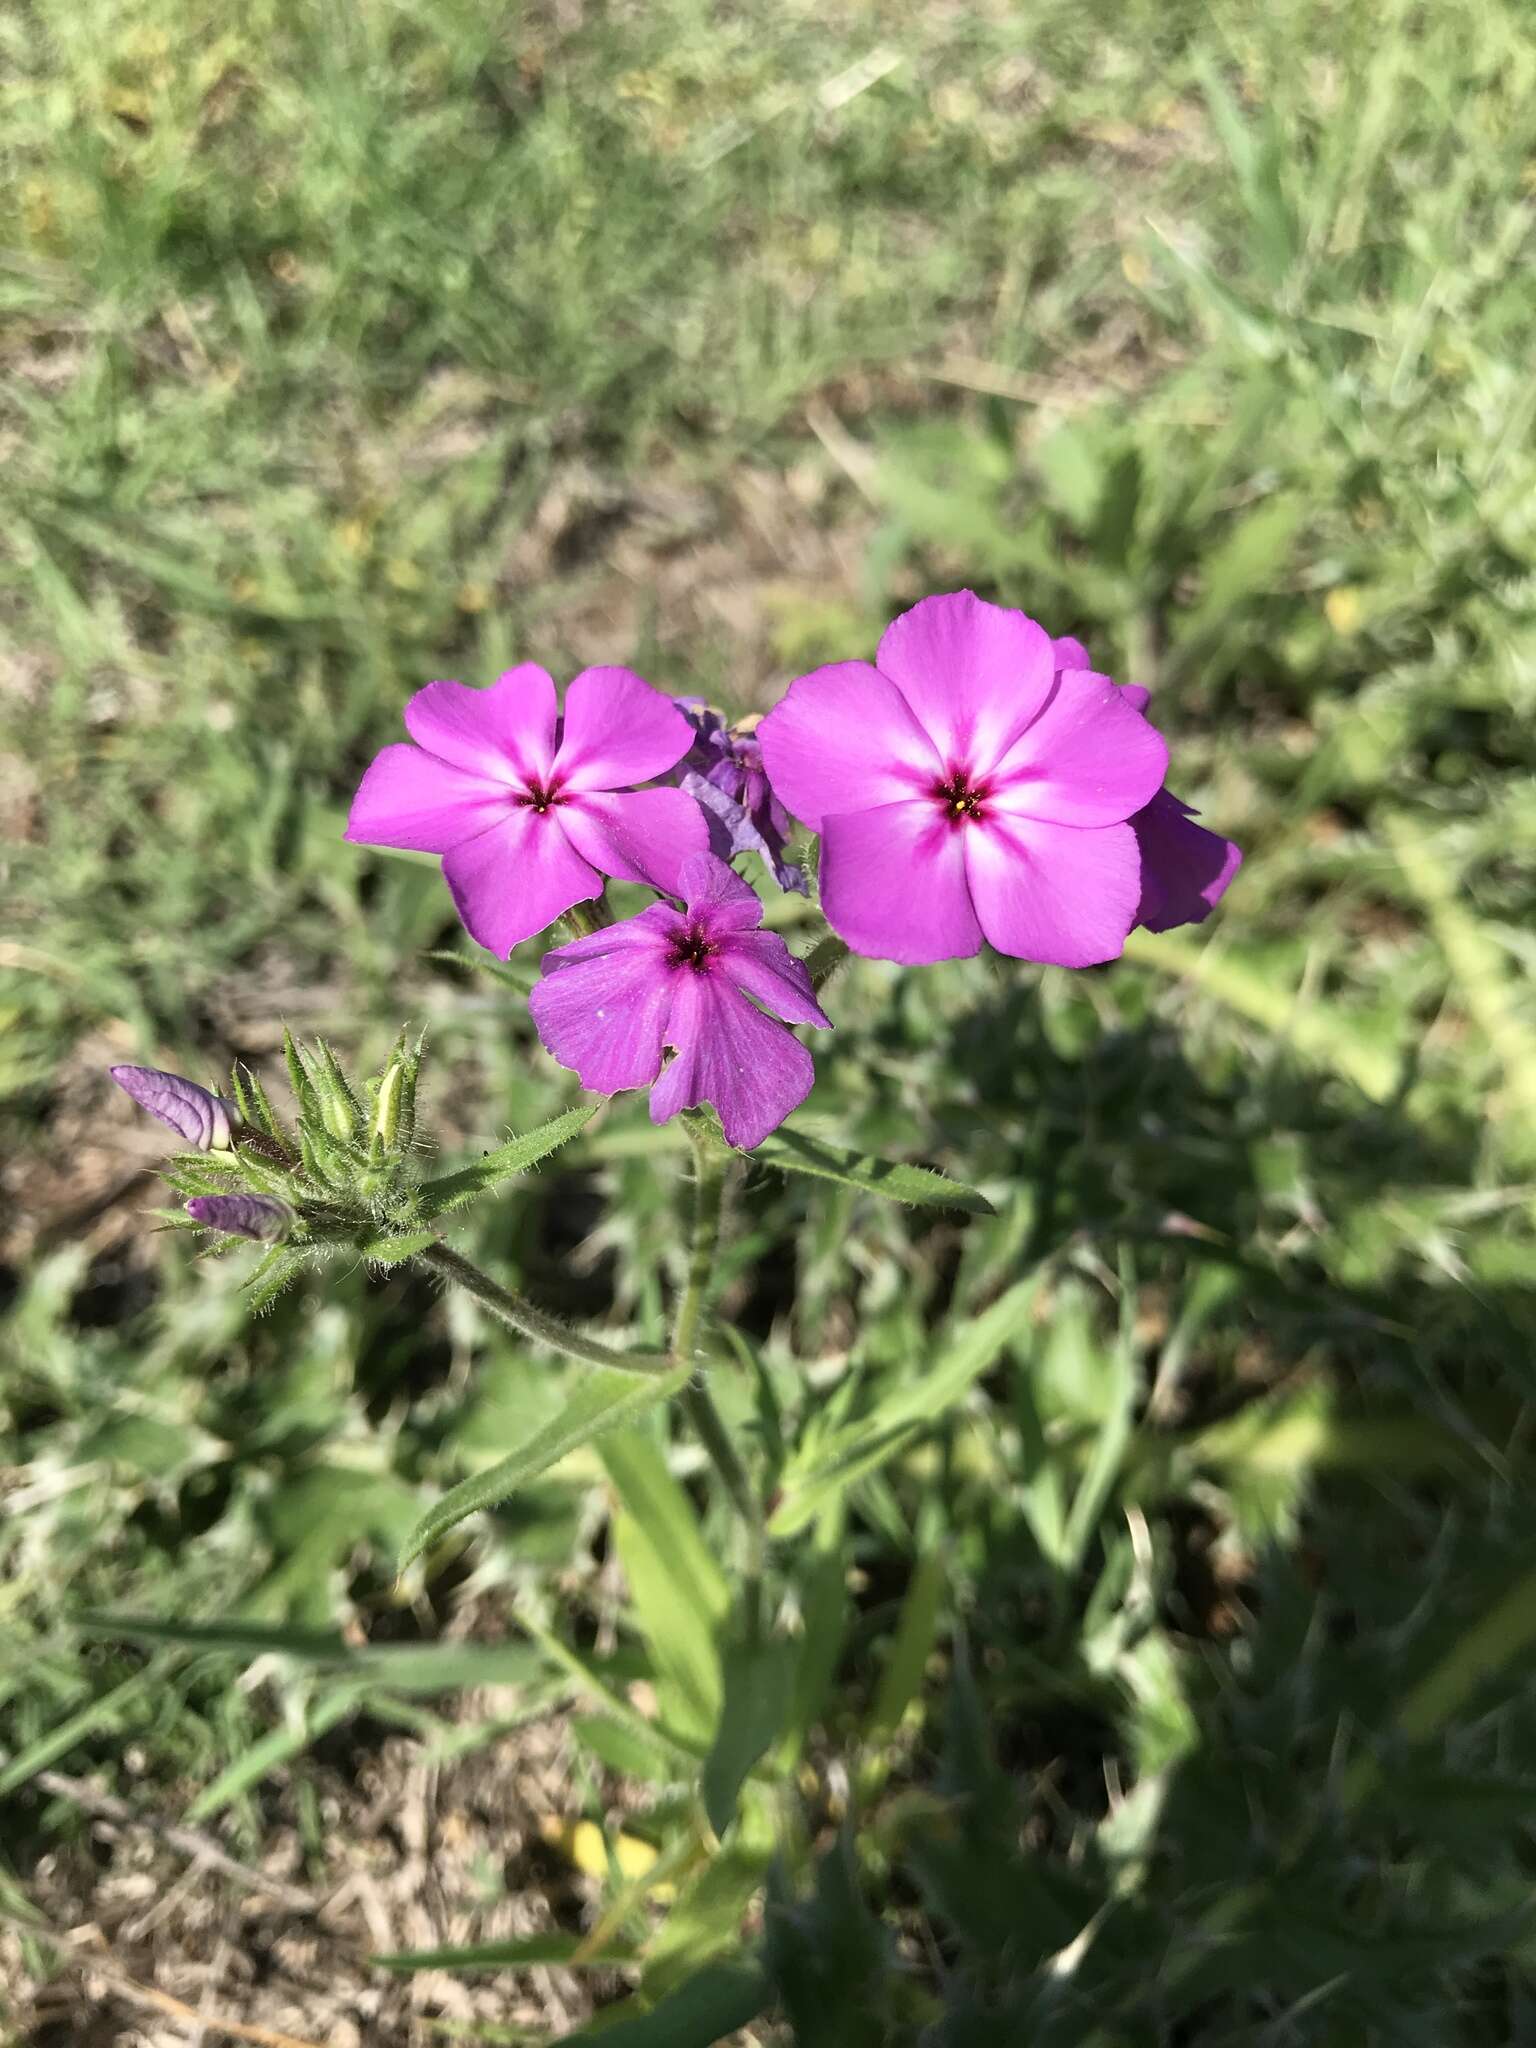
point(678, 1591)
point(756, 1690)
point(705, 1922)
point(278, 1270)
point(661, 1506)
point(861, 1447)
point(601, 1400)
point(271, 1752)
point(794, 1152)
point(720, 1999)
point(825, 1604)
point(1318, 1031)
point(454, 1190)
point(902, 1679)
point(617, 1745)
point(564, 1951)
point(394, 1251)
point(687, 1753)
point(103, 1712)
point(403, 1667)
point(679, 1638)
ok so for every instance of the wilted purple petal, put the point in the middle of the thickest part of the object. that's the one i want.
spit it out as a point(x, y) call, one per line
point(198, 1118)
point(1184, 868)
point(731, 1055)
point(254, 1216)
point(723, 772)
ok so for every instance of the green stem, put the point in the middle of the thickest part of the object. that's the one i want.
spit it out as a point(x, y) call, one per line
point(709, 1170)
point(531, 1322)
point(711, 1166)
point(583, 919)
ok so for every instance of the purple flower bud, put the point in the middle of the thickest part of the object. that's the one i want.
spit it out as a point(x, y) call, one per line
point(198, 1118)
point(256, 1216)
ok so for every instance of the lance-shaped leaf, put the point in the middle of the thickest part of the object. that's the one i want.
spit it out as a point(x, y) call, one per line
point(856, 1449)
point(710, 2007)
point(454, 1190)
point(793, 1151)
point(757, 1677)
point(601, 1399)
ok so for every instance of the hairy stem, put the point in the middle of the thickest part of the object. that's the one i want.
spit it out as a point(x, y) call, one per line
point(531, 1322)
point(711, 1166)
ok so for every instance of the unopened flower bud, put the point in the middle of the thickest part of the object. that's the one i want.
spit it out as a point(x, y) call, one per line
point(386, 1110)
point(254, 1216)
point(198, 1118)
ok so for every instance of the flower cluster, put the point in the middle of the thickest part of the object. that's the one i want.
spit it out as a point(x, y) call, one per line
point(978, 783)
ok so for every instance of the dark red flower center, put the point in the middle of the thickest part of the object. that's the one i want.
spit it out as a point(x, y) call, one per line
point(960, 797)
point(693, 949)
point(541, 797)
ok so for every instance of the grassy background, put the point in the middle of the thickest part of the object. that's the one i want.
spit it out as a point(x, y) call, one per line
point(345, 350)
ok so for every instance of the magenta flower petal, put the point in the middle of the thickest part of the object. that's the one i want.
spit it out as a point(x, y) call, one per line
point(731, 1055)
point(844, 739)
point(1088, 759)
point(637, 835)
point(198, 1117)
point(618, 730)
point(609, 1003)
point(1003, 808)
point(1067, 652)
point(717, 892)
point(975, 674)
point(603, 1002)
point(256, 1216)
point(505, 733)
point(411, 799)
point(893, 883)
point(763, 966)
point(516, 879)
point(1184, 868)
point(1053, 893)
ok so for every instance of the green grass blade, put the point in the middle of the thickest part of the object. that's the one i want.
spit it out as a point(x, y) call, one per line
point(862, 1447)
point(280, 1746)
point(722, 1998)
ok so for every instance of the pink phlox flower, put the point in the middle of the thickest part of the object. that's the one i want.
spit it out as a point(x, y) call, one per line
point(967, 789)
point(197, 1116)
point(723, 770)
point(693, 979)
point(530, 810)
point(1185, 869)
